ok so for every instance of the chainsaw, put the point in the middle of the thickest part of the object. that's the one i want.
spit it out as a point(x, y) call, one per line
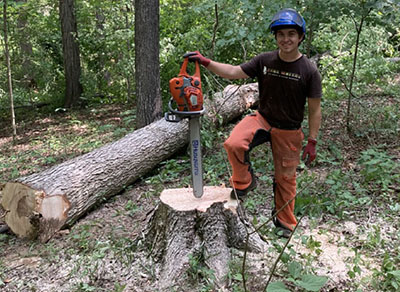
point(187, 97)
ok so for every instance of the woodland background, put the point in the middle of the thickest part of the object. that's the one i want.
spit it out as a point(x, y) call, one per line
point(45, 120)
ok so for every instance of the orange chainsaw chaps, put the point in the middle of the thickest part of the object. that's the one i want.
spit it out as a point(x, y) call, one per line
point(186, 89)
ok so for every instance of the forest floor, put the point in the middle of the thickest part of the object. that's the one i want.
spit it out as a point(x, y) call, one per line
point(354, 244)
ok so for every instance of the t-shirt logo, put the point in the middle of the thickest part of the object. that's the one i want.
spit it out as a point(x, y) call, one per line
point(281, 74)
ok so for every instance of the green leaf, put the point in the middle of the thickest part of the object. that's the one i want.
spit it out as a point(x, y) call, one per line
point(285, 257)
point(394, 285)
point(396, 274)
point(229, 32)
point(295, 269)
point(277, 287)
point(351, 274)
point(312, 282)
point(330, 181)
point(238, 277)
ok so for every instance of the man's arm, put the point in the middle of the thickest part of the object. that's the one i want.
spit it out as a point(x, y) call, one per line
point(314, 122)
point(226, 70)
point(314, 117)
point(223, 70)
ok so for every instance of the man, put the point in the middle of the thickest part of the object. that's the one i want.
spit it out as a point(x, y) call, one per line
point(286, 81)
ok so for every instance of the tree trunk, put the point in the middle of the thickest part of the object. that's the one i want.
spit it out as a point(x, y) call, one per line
point(28, 79)
point(74, 186)
point(72, 63)
point(8, 64)
point(147, 62)
point(130, 72)
point(182, 227)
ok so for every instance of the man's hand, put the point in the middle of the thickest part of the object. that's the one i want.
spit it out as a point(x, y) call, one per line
point(196, 56)
point(310, 151)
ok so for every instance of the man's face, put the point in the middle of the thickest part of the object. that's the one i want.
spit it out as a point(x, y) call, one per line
point(288, 40)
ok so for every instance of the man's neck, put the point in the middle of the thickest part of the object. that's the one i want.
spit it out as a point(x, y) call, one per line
point(290, 57)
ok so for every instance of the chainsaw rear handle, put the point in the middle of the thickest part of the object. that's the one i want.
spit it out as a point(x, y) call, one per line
point(187, 55)
point(183, 71)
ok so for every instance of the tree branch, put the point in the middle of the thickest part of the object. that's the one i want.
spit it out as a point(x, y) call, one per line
point(215, 29)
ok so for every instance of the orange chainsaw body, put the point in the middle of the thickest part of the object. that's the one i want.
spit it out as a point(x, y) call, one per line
point(186, 89)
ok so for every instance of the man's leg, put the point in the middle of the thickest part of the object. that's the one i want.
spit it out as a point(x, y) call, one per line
point(253, 130)
point(286, 147)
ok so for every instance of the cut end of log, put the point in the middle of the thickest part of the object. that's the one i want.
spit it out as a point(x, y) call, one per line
point(54, 207)
point(26, 209)
point(182, 199)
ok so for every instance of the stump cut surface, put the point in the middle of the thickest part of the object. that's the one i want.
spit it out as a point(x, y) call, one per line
point(182, 199)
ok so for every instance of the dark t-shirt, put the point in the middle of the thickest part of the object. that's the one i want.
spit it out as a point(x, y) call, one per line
point(284, 87)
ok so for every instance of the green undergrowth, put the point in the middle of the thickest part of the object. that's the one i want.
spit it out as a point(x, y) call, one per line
point(53, 137)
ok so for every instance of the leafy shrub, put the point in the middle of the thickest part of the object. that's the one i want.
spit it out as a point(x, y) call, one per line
point(379, 170)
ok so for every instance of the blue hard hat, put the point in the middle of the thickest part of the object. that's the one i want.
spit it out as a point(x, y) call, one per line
point(287, 17)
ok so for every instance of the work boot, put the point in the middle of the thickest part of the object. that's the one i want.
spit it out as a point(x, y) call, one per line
point(280, 230)
point(242, 193)
point(283, 232)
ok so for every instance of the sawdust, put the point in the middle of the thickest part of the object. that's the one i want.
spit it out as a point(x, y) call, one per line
point(333, 257)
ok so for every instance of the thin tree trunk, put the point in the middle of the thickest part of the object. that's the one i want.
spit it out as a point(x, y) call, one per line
point(72, 64)
point(29, 81)
point(130, 70)
point(10, 88)
point(309, 36)
point(215, 28)
point(359, 29)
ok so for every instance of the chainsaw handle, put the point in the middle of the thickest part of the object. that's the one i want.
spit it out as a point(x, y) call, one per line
point(187, 55)
point(183, 71)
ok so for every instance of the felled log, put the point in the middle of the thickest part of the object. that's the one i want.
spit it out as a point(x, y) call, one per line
point(42, 203)
point(32, 105)
point(394, 60)
point(182, 227)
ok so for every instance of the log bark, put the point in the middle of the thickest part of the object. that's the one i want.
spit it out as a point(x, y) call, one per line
point(183, 227)
point(394, 60)
point(74, 186)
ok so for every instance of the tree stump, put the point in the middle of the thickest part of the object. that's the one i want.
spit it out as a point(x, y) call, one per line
point(183, 226)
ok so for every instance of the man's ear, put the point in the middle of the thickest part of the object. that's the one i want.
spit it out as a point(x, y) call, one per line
point(302, 37)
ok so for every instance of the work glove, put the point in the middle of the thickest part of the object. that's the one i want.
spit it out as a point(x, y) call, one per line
point(309, 151)
point(196, 56)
